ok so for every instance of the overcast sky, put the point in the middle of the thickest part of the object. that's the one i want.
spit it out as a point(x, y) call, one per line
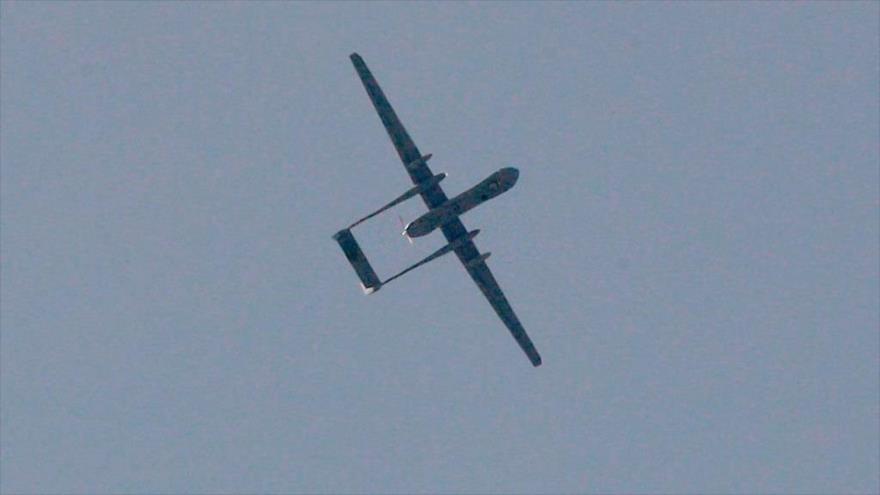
point(692, 245)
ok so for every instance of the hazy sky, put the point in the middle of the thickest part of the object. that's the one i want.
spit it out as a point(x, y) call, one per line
point(692, 246)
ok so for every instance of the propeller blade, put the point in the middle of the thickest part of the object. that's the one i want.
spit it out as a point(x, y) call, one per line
point(403, 228)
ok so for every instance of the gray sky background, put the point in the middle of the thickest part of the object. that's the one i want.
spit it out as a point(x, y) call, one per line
point(692, 245)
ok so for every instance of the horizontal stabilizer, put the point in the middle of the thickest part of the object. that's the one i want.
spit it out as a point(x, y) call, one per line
point(369, 280)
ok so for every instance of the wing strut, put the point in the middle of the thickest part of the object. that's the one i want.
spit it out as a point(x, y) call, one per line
point(417, 189)
point(446, 249)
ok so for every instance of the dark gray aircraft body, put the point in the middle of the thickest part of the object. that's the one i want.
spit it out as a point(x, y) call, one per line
point(443, 213)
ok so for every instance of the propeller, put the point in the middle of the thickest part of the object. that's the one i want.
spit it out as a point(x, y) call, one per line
point(403, 228)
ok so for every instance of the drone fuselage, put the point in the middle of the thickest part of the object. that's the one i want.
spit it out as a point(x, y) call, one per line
point(490, 187)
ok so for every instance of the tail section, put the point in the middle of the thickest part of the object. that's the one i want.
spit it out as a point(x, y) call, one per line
point(369, 280)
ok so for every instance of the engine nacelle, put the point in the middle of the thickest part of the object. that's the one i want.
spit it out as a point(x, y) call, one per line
point(466, 238)
point(433, 181)
point(479, 259)
point(426, 223)
point(419, 161)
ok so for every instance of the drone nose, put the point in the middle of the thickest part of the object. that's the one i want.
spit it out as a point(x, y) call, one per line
point(510, 175)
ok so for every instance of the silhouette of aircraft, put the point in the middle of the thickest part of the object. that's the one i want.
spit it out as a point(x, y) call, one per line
point(443, 213)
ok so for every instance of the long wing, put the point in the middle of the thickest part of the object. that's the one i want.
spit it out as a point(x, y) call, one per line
point(480, 273)
point(406, 148)
point(433, 197)
point(486, 282)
